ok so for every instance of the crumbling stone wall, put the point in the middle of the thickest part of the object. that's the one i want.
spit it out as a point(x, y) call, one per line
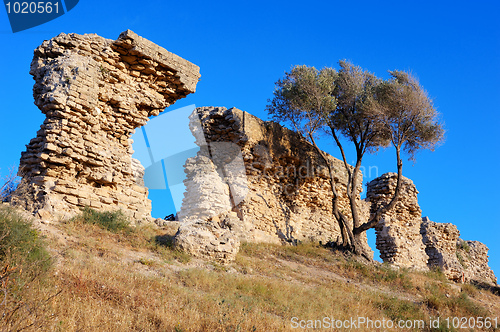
point(94, 93)
point(473, 256)
point(405, 239)
point(398, 232)
point(461, 261)
point(440, 241)
point(287, 196)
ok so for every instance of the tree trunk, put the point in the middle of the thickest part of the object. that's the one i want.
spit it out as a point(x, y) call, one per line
point(352, 193)
point(344, 226)
point(382, 210)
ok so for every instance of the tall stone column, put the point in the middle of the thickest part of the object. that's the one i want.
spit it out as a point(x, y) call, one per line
point(94, 93)
point(398, 232)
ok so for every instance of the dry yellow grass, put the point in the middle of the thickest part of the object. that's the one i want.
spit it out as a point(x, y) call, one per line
point(133, 280)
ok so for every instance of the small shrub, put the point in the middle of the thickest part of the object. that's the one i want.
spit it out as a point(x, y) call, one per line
point(24, 264)
point(20, 244)
point(147, 262)
point(463, 245)
point(469, 289)
point(465, 306)
point(460, 258)
point(113, 221)
point(437, 274)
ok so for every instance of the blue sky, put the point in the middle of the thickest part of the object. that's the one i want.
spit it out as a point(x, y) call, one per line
point(244, 47)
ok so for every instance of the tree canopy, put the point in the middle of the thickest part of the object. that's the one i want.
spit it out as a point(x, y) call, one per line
point(367, 111)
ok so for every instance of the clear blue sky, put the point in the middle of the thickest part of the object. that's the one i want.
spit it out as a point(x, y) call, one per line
point(244, 47)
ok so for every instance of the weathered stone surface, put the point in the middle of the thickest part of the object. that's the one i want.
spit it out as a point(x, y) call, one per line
point(398, 232)
point(284, 195)
point(473, 256)
point(407, 240)
point(440, 240)
point(462, 261)
point(94, 93)
point(208, 240)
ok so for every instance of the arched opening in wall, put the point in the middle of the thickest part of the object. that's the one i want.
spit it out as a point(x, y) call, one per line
point(372, 237)
point(162, 146)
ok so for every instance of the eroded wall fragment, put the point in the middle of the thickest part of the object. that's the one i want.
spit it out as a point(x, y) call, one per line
point(407, 240)
point(284, 195)
point(95, 92)
point(398, 232)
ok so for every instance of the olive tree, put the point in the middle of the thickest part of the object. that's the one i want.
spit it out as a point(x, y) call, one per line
point(300, 99)
point(357, 119)
point(410, 121)
point(366, 111)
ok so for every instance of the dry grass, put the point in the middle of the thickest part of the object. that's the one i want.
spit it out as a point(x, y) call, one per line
point(133, 280)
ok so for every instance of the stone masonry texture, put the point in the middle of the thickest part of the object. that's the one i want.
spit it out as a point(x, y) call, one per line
point(398, 232)
point(251, 180)
point(287, 197)
point(405, 239)
point(94, 92)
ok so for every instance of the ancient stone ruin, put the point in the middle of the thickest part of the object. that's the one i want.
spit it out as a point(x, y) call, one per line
point(405, 239)
point(251, 180)
point(94, 93)
point(287, 197)
point(398, 234)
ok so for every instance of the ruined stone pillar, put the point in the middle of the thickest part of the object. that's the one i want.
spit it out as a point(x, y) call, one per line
point(94, 93)
point(398, 232)
point(461, 261)
point(441, 246)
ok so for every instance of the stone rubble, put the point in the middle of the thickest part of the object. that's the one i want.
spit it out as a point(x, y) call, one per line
point(94, 92)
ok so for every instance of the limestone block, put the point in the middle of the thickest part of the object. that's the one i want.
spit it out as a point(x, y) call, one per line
point(208, 240)
point(271, 179)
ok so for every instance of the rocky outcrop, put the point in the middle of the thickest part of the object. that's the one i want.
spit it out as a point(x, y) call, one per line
point(94, 92)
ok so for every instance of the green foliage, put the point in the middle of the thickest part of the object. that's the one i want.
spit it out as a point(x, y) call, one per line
point(463, 245)
point(356, 116)
point(20, 244)
point(147, 262)
point(113, 221)
point(302, 96)
point(397, 309)
point(470, 289)
point(24, 266)
point(408, 113)
point(437, 274)
point(367, 111)
point(460, 258)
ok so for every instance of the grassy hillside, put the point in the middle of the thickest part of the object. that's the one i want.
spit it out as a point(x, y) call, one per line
point(107, 276)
